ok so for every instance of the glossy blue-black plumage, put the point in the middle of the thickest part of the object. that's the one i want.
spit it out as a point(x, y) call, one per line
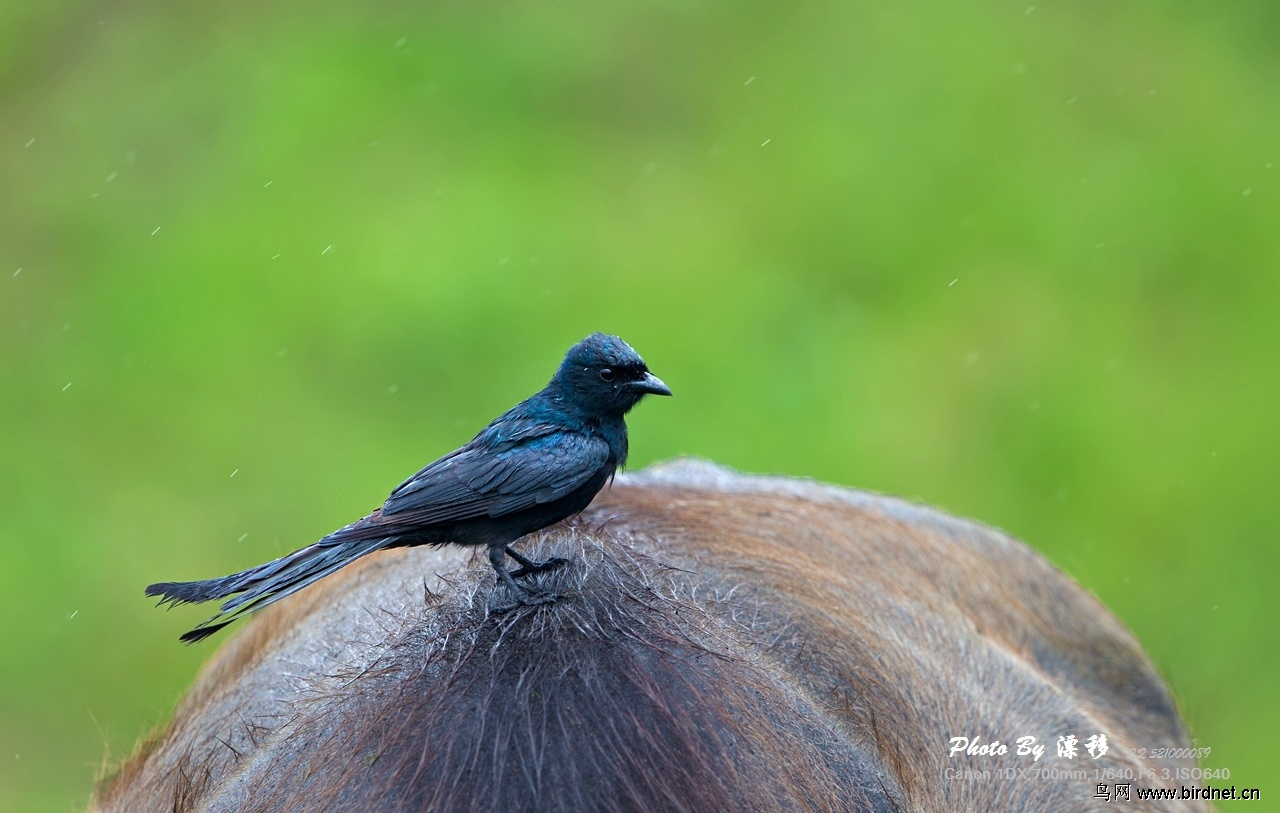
point(541, 461)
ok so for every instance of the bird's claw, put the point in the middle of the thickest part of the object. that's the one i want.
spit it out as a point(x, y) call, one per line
point(553, 563)
point(528, 601)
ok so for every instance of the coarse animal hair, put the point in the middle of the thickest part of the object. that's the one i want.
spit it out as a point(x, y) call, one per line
point(723, 642)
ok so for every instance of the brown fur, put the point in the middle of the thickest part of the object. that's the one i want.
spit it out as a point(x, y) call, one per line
point(724, 643)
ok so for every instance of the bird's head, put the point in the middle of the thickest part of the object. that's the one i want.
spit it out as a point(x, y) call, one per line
point(602, 375)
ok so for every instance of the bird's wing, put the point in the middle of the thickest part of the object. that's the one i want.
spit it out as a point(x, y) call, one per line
point(498, 476)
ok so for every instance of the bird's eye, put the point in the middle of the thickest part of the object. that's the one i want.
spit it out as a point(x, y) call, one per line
point(606, 374)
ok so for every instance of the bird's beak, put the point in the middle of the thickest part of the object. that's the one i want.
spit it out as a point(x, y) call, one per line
point(652, 384)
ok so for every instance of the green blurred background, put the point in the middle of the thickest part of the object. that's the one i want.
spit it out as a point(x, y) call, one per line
point(257, 264)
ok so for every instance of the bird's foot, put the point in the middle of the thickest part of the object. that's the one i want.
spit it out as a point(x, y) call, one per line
point(531, 568)
point(527, 600)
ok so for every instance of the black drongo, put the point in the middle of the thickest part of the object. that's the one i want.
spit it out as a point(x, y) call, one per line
point(541, 461)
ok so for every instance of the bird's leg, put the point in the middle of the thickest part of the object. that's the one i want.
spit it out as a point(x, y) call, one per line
point(522, 594)
point(528, 567)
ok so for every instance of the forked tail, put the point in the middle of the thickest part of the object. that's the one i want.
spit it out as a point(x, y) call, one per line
point(265, 584)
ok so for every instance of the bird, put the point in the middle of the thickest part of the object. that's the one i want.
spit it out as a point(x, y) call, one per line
point(539, 462)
